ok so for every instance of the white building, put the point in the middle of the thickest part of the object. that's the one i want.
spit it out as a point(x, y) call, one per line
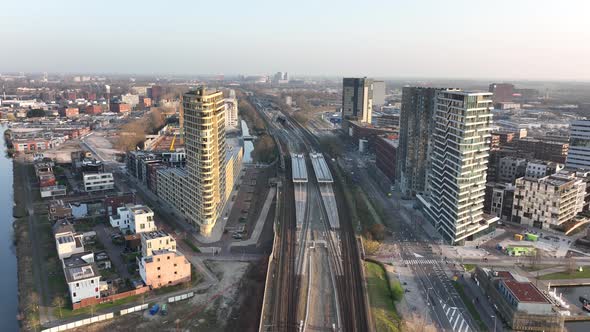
point(82, 276)
point(67, 241)
point(156, 240)
point(231, 111)
point(578, 156)
point(136, 218)
point(130, 99)
point(536, 169)
point(98, 181)
point(378, 93)
point(549, 201)
point(459, 157)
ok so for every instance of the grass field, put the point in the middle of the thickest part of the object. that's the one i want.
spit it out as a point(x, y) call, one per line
point(565, 275)
point(382, 298)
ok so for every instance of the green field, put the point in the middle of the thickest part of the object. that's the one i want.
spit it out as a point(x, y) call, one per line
point(565, 275)
point(382, 298)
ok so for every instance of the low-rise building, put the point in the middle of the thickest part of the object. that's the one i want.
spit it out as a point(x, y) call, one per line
point(519, 302)
point(385, 156)
point(53, 191)
point(70, 112)
point(82, 276)
point(98, 181)
point(549, 201)
point(67, 241)
point(136, 218)
point(156, 240)
point(164, 268)
point(93, 109)
point(536, 169)
point(59, 210)
point(119, 107)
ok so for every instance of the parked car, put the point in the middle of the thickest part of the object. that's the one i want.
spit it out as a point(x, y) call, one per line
point(154, 310)
point(164, 310)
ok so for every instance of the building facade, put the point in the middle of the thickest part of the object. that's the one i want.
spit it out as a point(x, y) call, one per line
point(136, 218)
point(385, 156)
point(458, 165)
point(578, 156)
point(164, 268)
point(204, 134)
point(98, 181)
point(416, 127)
point(548, 202)
point(156, 240)
point(357, 99)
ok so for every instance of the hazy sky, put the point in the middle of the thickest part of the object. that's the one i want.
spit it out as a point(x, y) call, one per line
point(516, 39)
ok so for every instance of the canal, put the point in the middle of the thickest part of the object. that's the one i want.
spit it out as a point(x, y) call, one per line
point(572, 294)
point(8, 277)
point(248, 145)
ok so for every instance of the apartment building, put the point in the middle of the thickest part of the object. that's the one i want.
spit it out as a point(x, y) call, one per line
point(542, 148)
point(82, 276)
point(171, 187)
point(536, 169)
point(233, 165)
point(156, 240)
point(578, 156)
point(416, 128)
point(458, 165)
point(550, 201)
point(231, 110)
point(499, 199)
point(510, 168)
point(98, 181)
point(204, 134)
point(164, 268)
point(385, 156)
point(136, 218)
point(357, 99)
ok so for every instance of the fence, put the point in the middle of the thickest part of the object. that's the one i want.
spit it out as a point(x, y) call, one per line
point(180, 297)
point(111, 298)
point(80, 323)
point(134, 309)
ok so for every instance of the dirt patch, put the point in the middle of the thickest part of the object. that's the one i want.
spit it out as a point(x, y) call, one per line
point(209, 310)
point(251, 294)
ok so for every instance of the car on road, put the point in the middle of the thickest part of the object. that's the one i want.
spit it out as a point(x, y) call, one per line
point(237, 236)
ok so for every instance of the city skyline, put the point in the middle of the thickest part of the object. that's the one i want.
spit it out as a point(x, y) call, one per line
point(537, 40)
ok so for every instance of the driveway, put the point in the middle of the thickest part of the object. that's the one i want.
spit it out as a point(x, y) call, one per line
point(103, 233)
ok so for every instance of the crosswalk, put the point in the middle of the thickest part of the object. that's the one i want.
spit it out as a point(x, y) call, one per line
point(422, 261)
point(456, 319)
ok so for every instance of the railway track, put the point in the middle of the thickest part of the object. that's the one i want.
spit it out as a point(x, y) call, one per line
point(345, 263)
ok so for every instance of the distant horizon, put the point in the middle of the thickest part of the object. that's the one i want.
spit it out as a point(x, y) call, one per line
point(298, 76)
point(530, 40)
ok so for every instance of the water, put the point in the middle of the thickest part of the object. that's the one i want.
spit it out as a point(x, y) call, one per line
point(8, 277)
point(248, 145)
point(572, 294)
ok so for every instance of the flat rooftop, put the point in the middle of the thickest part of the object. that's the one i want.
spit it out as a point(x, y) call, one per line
point(299, 169)
point(79, 267)
point(320, 167)
point(140, 209)
point(525, 291)
point(154, 235)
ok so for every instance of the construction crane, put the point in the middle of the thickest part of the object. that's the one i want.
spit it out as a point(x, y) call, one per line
point(172, 144)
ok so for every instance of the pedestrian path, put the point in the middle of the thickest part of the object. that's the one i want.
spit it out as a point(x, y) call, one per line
point(455, 317)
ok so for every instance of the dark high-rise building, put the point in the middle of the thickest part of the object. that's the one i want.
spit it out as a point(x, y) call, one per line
point(357, 99)
point(416, 125)
point(503, 92)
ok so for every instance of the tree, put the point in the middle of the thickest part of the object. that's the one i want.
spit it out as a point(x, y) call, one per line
point(33, 322)
point(331, 145)
point(35, 113)
point(34, 301)
point(377, 231)
point(264, 149)
point(371, 247)
point(59, 303)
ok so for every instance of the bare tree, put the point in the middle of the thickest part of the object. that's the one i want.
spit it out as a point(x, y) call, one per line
point(59, 303)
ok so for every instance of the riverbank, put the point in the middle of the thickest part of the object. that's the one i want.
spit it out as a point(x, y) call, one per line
point(28, 298)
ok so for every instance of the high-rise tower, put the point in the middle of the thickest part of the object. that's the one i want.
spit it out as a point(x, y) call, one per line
point(357, 99)
point(460, 143)
point(204, 136)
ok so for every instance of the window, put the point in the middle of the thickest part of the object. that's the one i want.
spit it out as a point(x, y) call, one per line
point(77, 284)
point(74, 294)
point(158, 268)
point(158, 276)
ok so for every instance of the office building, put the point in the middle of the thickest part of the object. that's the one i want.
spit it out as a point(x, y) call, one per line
point(542, 148)
point(204, 134)
point(379, 93)
point(503, 92)
point(416, 122)
point(499, 199)
point(578, 156)
point(385, 156)
point(357, 99)
point(458, 165)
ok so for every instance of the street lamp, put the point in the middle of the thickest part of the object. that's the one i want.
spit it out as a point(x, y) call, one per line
point(494, 317)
